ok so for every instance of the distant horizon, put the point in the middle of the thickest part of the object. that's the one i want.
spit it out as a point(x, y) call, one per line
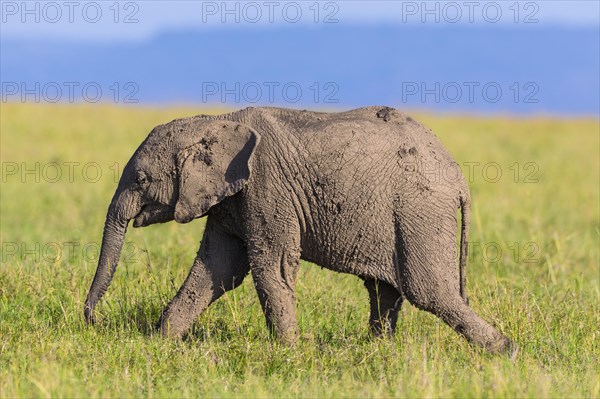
point(224, 108)
point(493, 69)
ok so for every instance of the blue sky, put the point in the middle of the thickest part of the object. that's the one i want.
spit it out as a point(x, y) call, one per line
point(142, 20)
point(536, 57)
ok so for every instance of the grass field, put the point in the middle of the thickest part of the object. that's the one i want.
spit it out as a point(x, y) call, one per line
point(533, 272)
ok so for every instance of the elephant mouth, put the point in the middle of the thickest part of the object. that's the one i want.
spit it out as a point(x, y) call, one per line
point(152, 214)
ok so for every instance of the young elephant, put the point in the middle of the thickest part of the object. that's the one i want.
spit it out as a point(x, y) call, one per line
point(356, 192)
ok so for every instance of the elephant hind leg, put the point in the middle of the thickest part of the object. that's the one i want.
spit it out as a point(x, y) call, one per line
point(458, 315)
point(429, 273)
point(385, 303)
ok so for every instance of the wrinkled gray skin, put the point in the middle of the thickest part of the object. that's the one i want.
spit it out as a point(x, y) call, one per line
point(348, 191)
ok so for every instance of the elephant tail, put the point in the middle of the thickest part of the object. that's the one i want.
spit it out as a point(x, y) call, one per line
point(465, 210)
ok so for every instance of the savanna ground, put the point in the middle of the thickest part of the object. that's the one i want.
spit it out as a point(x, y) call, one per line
point(533, 272)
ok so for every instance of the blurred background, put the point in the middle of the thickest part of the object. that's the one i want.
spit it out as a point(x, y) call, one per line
point(504, 57)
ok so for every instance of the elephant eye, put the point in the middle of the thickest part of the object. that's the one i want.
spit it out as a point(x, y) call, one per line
point(141, 178)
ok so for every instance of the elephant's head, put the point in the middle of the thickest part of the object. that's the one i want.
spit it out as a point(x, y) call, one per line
point(179, 172)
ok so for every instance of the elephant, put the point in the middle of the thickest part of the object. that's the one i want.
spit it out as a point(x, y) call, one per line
point(349, 191)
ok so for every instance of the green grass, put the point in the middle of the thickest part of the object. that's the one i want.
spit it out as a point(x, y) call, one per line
point(542, 288)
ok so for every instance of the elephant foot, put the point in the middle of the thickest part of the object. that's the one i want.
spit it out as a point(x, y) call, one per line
point(170, 327)
point(508, 348)
point(379, 329)
point(90, 317)
point(292, 338)
point(503, 346)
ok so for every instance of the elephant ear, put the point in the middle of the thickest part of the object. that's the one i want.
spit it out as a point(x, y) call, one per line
point(217, 166)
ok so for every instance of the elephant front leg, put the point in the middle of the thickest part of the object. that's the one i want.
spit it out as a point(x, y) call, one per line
point(385, 303)
point(275, 279)
point(220, 266)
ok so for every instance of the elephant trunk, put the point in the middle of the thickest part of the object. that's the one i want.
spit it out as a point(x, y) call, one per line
point(112, 242)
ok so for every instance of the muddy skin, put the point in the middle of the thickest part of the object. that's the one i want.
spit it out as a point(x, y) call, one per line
point(348, 191)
